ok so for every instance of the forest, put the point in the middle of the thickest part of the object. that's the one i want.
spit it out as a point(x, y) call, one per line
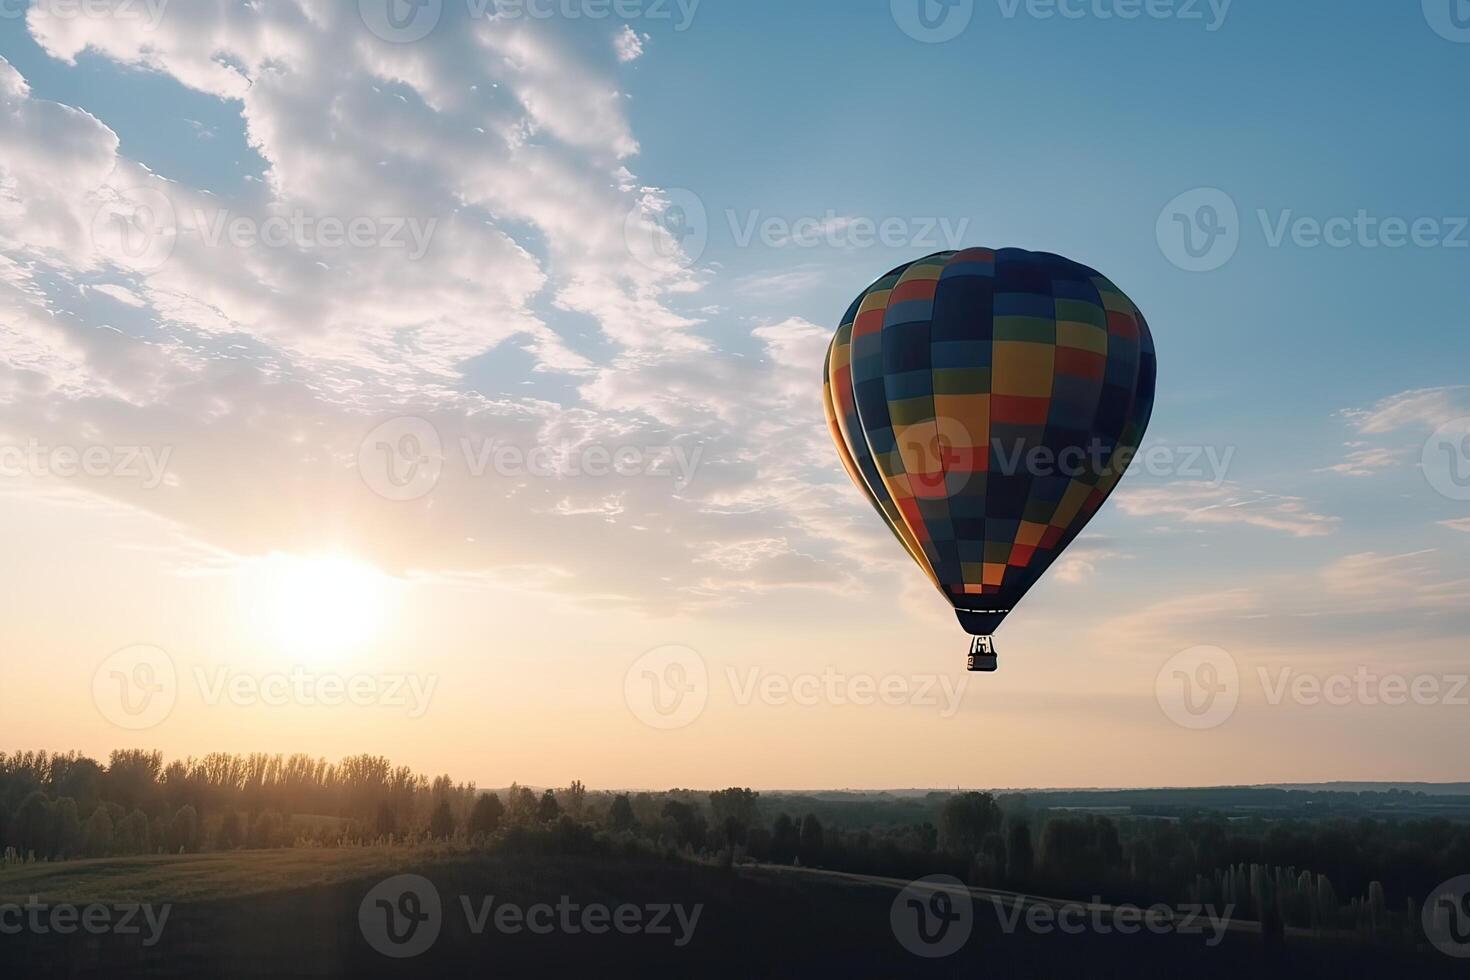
point(1363, 875)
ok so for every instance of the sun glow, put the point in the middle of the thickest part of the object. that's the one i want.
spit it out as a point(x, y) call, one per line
point(319, 607)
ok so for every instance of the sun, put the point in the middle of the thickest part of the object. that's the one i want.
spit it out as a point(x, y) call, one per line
point(321, 607)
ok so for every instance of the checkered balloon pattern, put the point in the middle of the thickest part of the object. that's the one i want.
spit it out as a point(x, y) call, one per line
point(987, 402)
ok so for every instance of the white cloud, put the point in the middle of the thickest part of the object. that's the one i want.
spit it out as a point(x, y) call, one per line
point(1426, 408)
point(1187, 620)
point(783, 283)
point(1080, 561)
point(1417, 409)
point(263, 368)
point(1371, 582)
point(1356, 595)
point(742, 556)
point(1365, 460)
point(628, 43)
point(1198, 503)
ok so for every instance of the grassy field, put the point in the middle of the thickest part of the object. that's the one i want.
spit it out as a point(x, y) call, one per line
point(297, 913)
point(183, 878)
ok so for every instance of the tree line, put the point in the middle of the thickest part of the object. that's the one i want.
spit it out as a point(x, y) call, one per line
point(1353, 875)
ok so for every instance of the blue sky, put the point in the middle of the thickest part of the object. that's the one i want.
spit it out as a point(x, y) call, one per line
point(550, 154)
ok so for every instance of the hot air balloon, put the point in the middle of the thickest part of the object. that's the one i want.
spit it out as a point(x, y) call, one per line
point(987, 402)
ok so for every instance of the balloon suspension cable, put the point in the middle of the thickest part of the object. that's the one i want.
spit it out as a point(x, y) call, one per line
point(982, 655)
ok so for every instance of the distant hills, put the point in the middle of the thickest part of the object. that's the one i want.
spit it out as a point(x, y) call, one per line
point(1429, 789)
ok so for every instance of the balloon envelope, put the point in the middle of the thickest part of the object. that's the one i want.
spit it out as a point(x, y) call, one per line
point(987, 402)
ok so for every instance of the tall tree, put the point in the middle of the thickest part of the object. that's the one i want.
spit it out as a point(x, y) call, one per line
point(441, 821)
point(1019, 855)
point(486, 815)
point(97, 834)
point(785, 839)
point(67, 828)
point(576, 799)
point(620, 816)
point(229, 836)
point(735, 811)
point(31, 830)
point(685, 821)
point(184, 830)
point(964, 821)
point(811, 845)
